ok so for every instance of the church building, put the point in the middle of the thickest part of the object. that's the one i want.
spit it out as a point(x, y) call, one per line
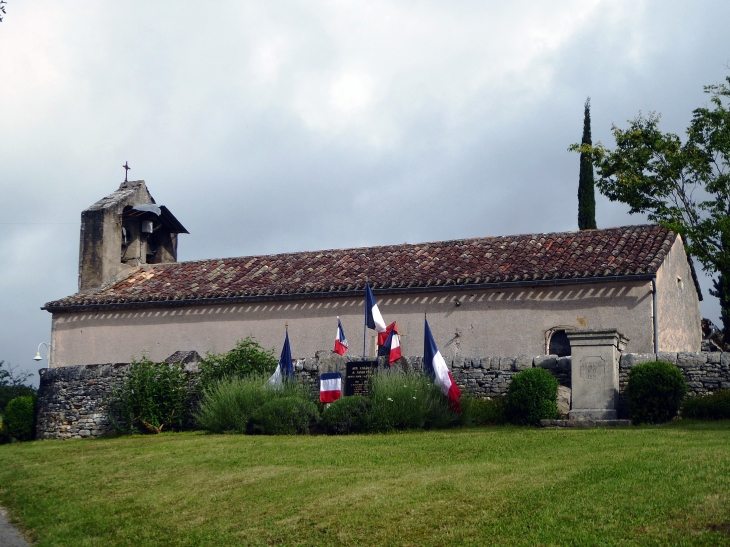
point(506, 295)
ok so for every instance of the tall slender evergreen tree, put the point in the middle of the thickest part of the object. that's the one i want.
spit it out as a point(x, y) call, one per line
point(586, 187)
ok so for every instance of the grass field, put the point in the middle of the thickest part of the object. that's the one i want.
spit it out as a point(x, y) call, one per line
point(487, 486)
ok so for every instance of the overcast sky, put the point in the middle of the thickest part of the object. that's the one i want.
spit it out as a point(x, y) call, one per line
point(284, 126)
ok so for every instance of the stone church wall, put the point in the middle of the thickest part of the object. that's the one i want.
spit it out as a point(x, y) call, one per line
point(72, 400)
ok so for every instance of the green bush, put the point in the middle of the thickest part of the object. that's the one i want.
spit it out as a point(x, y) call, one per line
point(483, 411)
point(654, 392)
point(708, 407)
point(532, 396)
point(407, 400)
point(151, 398)
point(19, 418)
point(227, 404)
point(247, 358)
point(284, 416)
point(347, 415)
point(13, 384)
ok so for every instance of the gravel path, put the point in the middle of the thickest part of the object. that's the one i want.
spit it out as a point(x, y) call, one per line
point(9, 536)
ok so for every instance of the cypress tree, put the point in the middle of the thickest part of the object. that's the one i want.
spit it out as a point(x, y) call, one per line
point(586, 190)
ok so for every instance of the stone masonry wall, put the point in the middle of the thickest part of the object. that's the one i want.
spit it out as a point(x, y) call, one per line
point(704, 372)
point(72, 400)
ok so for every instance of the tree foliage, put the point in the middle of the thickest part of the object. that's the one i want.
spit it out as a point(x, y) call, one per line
point(19, 418)
point(586, 185)
point(248, 357)
point(682, 185)
point(13, 383)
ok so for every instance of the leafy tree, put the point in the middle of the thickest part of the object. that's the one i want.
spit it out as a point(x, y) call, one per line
point(248, 357)
point(684, 186)
point(586, 186)
point(13, 384)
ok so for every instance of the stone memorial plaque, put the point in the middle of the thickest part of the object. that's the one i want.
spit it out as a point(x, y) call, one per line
point(592, 368)
point(357, 375)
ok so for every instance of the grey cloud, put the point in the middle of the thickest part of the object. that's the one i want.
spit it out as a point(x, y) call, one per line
point(288, 126)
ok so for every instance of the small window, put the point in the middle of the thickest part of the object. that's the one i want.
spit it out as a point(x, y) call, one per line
point(559, 344)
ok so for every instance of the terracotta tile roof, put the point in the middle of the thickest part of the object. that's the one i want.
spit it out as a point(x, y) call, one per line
point(629, 250)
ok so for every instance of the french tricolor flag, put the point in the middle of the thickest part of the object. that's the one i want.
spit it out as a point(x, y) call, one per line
point(373, 319)
point(389, 343)
point(340, 340)
point(285, 369)
point(330, 387)
point(435, 366)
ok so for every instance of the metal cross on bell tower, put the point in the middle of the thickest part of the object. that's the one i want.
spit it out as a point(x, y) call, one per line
point(126, 170)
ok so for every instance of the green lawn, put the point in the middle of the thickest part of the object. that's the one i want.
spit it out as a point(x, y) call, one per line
point(488, 486)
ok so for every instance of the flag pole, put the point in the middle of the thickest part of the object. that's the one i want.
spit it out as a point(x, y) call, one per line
point(365, 325)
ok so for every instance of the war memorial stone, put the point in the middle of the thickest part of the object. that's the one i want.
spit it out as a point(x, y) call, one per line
point(595, 373)
point(357, 376)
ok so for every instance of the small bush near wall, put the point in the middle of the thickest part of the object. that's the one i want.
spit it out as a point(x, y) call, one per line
point(347, 415)
point(228, 404)
point(284, 416)
point(152, 398)
point(654, 392)
point(532, 397)
point(19, 418)
point(708, 407)
point(407, 400)
point(483, 411)
point(248, 357)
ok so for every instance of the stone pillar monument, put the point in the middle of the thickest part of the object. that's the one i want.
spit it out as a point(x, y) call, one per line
point(595, 356)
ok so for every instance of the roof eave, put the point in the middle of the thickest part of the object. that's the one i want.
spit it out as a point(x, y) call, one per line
point(357, 292)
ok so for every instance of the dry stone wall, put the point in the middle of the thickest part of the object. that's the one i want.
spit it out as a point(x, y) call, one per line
point(704, 372)
point(72, 400)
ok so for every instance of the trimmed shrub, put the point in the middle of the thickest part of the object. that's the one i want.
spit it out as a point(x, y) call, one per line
point(407, 400)
point(247, 358)
point(347, 415)
point(654, 392)
point(151, 398)
point(19, 418)
point(532, 396)
point(284, 416)
point(227, 405)
point(708, 407)
point(483, 411)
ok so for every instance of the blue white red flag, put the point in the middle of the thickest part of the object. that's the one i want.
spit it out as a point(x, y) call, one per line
point(389, 343)
point(340, 340)
point(285, 368)
point(435, 366)
point(373, 319)
point(330, 387)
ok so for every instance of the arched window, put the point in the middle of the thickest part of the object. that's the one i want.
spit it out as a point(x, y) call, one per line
point(559, 343)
